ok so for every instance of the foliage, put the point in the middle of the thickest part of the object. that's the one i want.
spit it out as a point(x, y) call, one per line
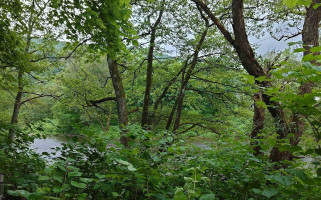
point(153, 169)
point(209, 156)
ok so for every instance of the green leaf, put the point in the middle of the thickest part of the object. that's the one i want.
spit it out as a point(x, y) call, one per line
point(295, 43)
point(319, 172)
point(71, 174)
point(79, 185)
point(22, 193)
point(208, 197)
point(115, 194)
point(304, 2)
point(316, 6)
point(135, 43)
point(270, 192)
point(290, 3)
point(299, 50)
point(122, 162)
point(308, 58)
point(131, 168)
point(261, 104)
point(100, 176)
point(44, 178)
point(298, 173)
point(250, 79)
point(315, 49)
point(36, 196)
point(283, 180)
point(86, 180)
point(178, 190)
point(57, 177)
point(261, 78)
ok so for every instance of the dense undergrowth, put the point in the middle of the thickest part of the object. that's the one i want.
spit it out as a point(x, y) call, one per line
point(156, 166)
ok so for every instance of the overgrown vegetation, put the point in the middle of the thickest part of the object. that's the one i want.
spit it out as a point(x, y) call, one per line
point(160, 100)
point(152, 169)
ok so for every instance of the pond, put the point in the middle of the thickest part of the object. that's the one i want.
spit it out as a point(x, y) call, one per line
point(48, 144)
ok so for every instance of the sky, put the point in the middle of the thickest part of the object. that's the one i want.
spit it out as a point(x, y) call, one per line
point(267, 43)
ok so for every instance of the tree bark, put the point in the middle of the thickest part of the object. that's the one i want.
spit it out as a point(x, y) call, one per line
point(120, 99)
point(258, 122)
point(149, 75)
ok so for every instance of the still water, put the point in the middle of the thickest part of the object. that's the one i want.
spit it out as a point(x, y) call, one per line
point(48, 144)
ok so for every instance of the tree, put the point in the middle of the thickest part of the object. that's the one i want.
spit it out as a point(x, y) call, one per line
point(245, 52)
point(22, 27)
point(150, 58)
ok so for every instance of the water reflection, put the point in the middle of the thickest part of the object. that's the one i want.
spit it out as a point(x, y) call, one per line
point(48, 144)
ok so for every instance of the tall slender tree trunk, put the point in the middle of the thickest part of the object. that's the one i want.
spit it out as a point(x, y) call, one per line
point(17, 105)
point(18, 98)
point(188, 75)
point(149, 75)
point(120, 99)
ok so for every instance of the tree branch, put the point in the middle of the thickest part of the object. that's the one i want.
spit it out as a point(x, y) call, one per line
point(287, 37)
point(95, 102)
point(62, 57)
point(213, 130)
point(40, 96)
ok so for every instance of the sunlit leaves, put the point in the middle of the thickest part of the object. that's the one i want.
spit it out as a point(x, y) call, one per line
point(290, 3)
point(105, 22)
point(293, 3)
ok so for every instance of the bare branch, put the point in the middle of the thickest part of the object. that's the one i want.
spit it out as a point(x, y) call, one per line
point(286, 37)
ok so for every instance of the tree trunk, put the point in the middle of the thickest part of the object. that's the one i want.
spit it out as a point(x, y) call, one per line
point(171, 115)
point(188, 76)
point(258, 122)
point(251, 65)
point(17, 105)
point(120, 99)
point(310, 38)
point(149, 75)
